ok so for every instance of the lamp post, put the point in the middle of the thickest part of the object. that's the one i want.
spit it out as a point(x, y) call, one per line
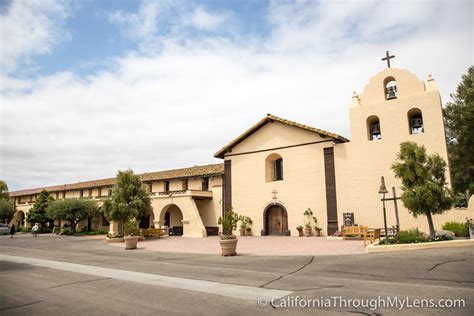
point(383, 190)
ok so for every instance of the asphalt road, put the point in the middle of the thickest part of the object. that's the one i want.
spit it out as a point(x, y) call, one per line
point(435, 275)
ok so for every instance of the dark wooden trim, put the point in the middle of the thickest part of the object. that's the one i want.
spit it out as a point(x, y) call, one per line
point(227, 184)
point(277, 148)
point(331, 198)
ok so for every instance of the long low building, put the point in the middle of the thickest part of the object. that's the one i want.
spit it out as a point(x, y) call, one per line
point(189, 199)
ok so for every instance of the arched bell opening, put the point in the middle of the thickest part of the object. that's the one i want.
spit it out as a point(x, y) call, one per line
point(415, 122)
point(373, 128)
point(390, 88)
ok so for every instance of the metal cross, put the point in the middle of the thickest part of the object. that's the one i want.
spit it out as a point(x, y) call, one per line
point(387, 58)
point(274, 192)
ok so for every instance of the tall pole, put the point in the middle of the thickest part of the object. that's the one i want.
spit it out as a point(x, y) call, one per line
point(385, 219)
point(396, 209)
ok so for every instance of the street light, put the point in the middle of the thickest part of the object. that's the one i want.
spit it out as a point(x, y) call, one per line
point(383, 190)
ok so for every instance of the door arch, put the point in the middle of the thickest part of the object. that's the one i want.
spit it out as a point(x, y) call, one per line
point(275, 221)
point(172, 216)
point(146, 221)
point(20, 219)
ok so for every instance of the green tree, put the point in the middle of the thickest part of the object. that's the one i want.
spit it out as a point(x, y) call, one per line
point(72, 210)
point(37, 214)
point(7, 207)
point(423, 182)
point(4, 195)
point(7, 210)
point(459, 121)
point(130, 198)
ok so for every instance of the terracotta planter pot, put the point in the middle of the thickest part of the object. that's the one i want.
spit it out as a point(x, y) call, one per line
point(228, 246)
point(307, 232)
point(131, 242)
point(248, 232)
point(300, 233)
point(242, 232)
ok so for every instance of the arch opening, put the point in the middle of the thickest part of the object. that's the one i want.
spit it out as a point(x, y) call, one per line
point(20, 219)
point(275, 221)
point(374, 131)
point(172, 217)
point(273, 168)
point(146, 221)
point(390, 88)
point(415, 121)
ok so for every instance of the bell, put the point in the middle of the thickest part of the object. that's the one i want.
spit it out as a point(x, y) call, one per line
point(375, 129)
point(417, 122)
point(391, 93)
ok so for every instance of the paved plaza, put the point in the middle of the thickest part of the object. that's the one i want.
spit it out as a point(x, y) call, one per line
point(256, 245)
point(86, 276)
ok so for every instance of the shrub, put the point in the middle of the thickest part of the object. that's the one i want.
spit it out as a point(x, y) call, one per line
point(23, 229)
point(459, 229)
point(410, 236)
point(66, 231)
point(131, 227)
point(229, 224)
point(44, 230)
point(93, 232)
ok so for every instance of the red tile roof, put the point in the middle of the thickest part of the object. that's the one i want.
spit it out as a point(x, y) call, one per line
point(196, 171)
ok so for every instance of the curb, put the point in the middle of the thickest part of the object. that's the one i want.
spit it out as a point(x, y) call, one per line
point(374, 248)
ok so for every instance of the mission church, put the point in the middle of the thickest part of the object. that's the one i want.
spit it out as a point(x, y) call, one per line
point(278, 168)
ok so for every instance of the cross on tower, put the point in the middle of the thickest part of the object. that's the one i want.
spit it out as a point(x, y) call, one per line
point(387, 58)
point(274, 192)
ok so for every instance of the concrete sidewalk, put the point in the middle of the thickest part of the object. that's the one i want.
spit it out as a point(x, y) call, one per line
point(261, 246)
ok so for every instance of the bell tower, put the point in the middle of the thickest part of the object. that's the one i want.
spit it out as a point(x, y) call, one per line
point(394, 107)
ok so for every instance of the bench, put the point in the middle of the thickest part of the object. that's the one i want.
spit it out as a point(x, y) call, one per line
point(361, 231)
point(153, 232)
point(354, 231)
point(372, 235)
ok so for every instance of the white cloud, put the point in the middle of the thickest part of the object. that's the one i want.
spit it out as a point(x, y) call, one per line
point(141, 24)
point(202, 19)
point(175, 107)
point(30, 28)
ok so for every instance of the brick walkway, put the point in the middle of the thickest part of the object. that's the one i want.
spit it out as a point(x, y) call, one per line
point(262, 246)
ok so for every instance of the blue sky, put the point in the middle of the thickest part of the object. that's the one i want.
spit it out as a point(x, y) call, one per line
point(91, 87)
point(93, 39)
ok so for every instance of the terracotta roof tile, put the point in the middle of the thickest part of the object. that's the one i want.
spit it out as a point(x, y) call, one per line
point(196, 171)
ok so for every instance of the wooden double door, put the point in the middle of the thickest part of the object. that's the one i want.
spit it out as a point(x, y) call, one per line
point(276, 221)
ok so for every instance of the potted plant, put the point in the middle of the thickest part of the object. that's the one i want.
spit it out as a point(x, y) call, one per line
point(245, 223)
point(318, 230)
point(243, 228)
point(132, 234)
point(249, 231)
point(308, 214)
point(300, 230)
point(228, 240)
point(307, 229)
